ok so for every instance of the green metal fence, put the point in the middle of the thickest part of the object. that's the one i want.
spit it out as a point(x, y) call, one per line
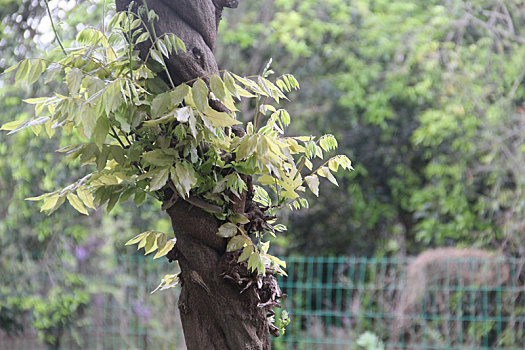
point(441, 303)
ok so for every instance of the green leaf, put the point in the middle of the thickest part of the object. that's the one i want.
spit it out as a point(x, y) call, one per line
point(60, 201)
point(313, 184)
point(328, 142)
point(168, 246)
point(22, 71)
point(247, 147)
point(113, 200)
point(162, 48)
point(179, 93)
point(160, 104)
point(229, 82)
point(180, 44)
point(340, 161)
point(139, 197)
point(183, 114)
point(227, 230)
point(36, 71)
point(168, 281)
point(74, 80)
point(76, 203)
point(12, 68)
point(142, 37)
point(101, 131)
point(29, 123)
point(155, 55)
point(253, 261)
point(160, 157)
point(152, 244)
point(219, 119)
point(163, 120)
point(184, 177)
point(217, 87)
point(277, 261)
point(236, 242)
point(200, 95)
point(102, 158)
point(159, 179)
point(39, 198)
point(238, 218)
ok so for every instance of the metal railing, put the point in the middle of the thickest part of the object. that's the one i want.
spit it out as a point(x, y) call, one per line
point(442, 303)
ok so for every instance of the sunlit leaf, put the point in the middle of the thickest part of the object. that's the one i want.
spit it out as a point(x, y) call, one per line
point(165, 249)
point(76, 203)
point(313, 184)
point(159, 179)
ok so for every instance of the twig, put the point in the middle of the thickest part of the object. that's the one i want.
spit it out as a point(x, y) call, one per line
point(57, 37)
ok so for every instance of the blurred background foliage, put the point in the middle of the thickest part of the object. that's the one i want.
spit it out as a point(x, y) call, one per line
point(426, 98)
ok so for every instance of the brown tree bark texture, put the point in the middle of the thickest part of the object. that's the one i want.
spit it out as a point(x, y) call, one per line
point(214, 314)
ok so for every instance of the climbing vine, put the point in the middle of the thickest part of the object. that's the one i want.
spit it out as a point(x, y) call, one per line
point(142, 135)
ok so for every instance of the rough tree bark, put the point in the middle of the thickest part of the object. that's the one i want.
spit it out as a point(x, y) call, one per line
point(214, 312)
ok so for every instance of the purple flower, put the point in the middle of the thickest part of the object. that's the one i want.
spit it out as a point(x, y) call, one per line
point(81, 252)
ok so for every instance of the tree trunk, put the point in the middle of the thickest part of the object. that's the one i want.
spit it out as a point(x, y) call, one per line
point(214, 312)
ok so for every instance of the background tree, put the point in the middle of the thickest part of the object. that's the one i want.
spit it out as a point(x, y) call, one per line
point(408, 87)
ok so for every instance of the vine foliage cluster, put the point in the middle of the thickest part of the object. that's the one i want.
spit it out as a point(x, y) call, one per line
point(142, 135)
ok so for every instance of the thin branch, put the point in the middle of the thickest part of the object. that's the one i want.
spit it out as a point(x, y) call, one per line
point(495, 29)
point(57, 37)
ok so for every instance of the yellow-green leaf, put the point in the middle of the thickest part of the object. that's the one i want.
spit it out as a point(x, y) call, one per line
point(49, 202)
point(325, 172)
point(151, 243)
point(148, 237)
point(168, 281)
point(86, 197)
point(137, 238)
point(36, 71)
point(246, 253)
point(39, 198)
point(22, 71)
point(12, 125)
point(76, 203)
point(313, 184)
point(165, 249)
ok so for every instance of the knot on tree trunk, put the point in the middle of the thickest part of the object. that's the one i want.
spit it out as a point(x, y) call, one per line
point(258, 218)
